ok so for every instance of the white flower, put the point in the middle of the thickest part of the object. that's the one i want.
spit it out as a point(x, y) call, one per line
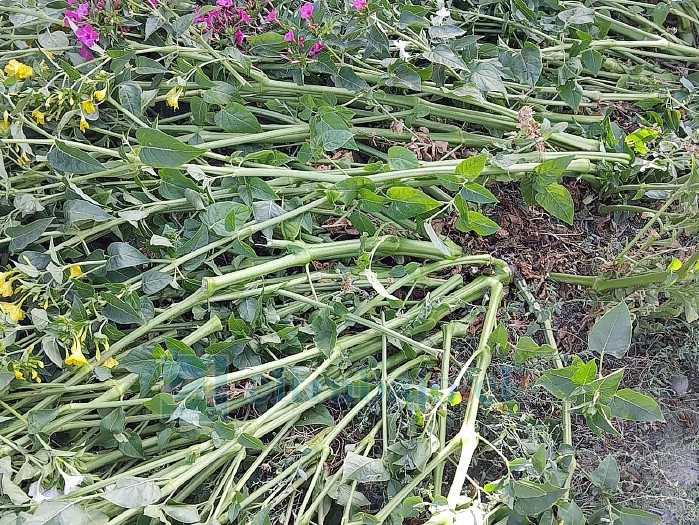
point(38, 494)
point(70, 483)
point(443, 13)
point(402, 53)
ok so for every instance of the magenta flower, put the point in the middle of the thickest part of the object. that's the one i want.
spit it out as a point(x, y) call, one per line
point(316, 48)
point(239, 37)
point(87, 35)
point(289, 36)
point(85, 53)
point(359, 4)
point(306, 10)
point(271, 16)
point(224, 3)
point(153, 3)
point(76, 15)
point(244, 17)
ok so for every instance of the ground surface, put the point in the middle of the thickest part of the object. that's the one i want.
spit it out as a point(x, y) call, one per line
point(659, 463)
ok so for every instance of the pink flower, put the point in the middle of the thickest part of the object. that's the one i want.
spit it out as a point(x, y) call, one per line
point(239, 37)
point(289, 36)
point(85, 53)
point(244, 17)
point(316, 48)
point(153, 3)
point(306, 10)
point(76, 15)
point(271, 16)
point(87, 35)
point(359, 4)
point(224, 3)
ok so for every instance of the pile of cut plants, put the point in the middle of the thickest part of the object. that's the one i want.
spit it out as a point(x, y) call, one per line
point(234, 282)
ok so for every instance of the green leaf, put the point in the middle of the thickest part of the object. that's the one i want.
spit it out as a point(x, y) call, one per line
point(131, 492)
point(400, 158)
point(23, 235)
point(406, 202)
point(163, 151)
point(148, 66)
point(50, 512)
point(470, 220)
point(123, 255)
point(221, 93)
point(114, 422)
point(611, 334)
point(633, 406)
point(629, 516)
point(153, 281)
point(236, 118)
point(68, 159)
point(120, 311)
point(556, 200)
point(437, 241)
point(551, 170)
point(570, 513)
point(443, 54)
point(606, 476)
point(251, 442)
point(12, 491)
point(362, 223)
point(260, 190)
point(528, 349)
point(130, 444)
point(363, 469)
point(346, 190)
point(534, 498)
point(215, 217)
point(605, 387)
point(77, 210)
point(474, 192)
point(182, 513)
point(562, 382)
point(325, 330)
point(38, 419)
point(161, 404)
point(571, 93)
point(593, 59)
point(531, 58)
point(471, 167)
point(346, 78)
point(487, 77)
point(318, 415)
point(130, 97)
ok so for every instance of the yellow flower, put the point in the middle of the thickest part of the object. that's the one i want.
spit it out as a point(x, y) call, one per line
point(110, 362)
point(173, 97)
point(83, 124)
point(5, 123)
point(18, 372)
point(39, 116)
point(675, 264)
point(6, 288)
point(75, 271)
point(16, 69)
point(89, 106)
point(23, 158)
point(76, 356)
point(99, 95)
point(13, 311)
point(76, 359)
